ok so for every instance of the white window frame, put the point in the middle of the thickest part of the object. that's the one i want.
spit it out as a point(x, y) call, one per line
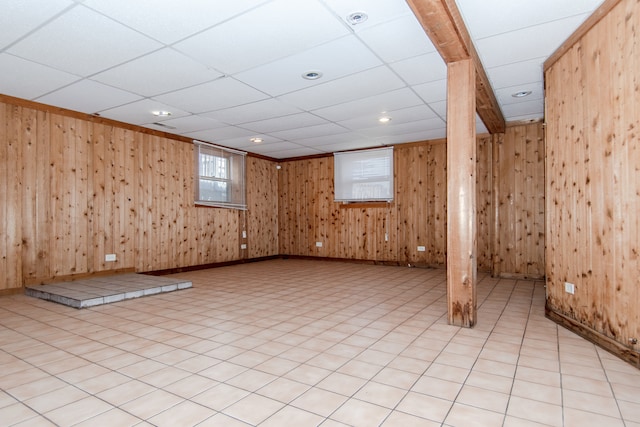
point(364, 175)
point(225, 166)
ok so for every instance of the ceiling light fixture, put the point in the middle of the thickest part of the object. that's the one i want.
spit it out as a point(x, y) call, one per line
point(161, 113)
point(521, 94)
point(356, 18)
point(384, 119)
point(312, 75)
point(256, 140)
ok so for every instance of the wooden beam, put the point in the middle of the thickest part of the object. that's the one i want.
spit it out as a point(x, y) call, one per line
point(443, 24)
point(461, 194)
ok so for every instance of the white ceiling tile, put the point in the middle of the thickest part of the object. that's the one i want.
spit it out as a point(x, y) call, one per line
point(19, 17)
point(284, 123)
point(168, 20)
point(245, 142)
point(488, 18)
point(215, 95)
point(370, 106)
point(294, 152)
point(361, 85)
point(269, 32)
point(192, 123)
point(310, 131)
point(504, 95)
point(269, 147)
point(335, 59)
point(425, 135)
point(480, 127)
point(403, 128)
point(433, 91)
point(341, 138)
point(347, 144)
point(255, 111)
point(530, 109)
point(527, 43)
point(421, 69)
point(407, 32)
point(440, 108)
point(378, 11)
point(28, 80)
point(83, 42)
point(517, 73)
point(88, 96)
point(159, 72)
point(140, 112)
point(220, 134)
point(404, 115)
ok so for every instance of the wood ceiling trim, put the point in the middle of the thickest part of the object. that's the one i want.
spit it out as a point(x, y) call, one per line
point(443, 23)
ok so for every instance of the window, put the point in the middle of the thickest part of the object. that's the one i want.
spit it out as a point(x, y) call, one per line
point(220, 176)
point(364, 176)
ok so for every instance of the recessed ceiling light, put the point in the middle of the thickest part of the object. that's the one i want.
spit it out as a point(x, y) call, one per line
point(256, 140)
point(312, 75)
point(521, 94)
point(161, 113)
point(356, 18)
point(384, 119)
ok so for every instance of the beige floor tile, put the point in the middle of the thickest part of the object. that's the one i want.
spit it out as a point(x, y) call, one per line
point(320, 402)
point(437, 387)
point(220, 397)
point(578, 418)
point(125, 392)
point(429, 407)
point(251, 380)
point(380, 394)
point(358, 413)
point(339, 339)
point(291, 416)
point(56, 399)
point(283, 390)
point(16, 413)
point(400, 419)
point(253, 409)
point(483, 399)
point(183, 414)
point(113, 417)
point(471, 416)
point(533, 410)
point(78, 411)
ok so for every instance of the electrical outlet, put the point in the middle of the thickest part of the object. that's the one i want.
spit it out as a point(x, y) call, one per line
point(318, 244)
point(244, 234)
point(569, 288)
point(421, 249)
point(110, 257)
point(386, 237)
point(243, 246)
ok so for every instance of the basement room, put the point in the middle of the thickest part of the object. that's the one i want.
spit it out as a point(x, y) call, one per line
point(320, 213)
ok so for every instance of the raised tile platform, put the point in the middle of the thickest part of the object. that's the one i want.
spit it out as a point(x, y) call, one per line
point(105, 289)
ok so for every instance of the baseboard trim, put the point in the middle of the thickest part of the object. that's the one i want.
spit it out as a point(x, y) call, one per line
point(207, 266)
point(625, 353)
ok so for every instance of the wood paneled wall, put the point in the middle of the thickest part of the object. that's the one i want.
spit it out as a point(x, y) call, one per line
point(593, 179)
point(510, 207)
point(74, 189)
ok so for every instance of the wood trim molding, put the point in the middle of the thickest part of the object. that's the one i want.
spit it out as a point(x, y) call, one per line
point(443, 23)
point(613, 347)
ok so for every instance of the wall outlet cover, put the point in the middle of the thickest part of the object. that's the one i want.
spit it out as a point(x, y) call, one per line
point(318, 244)
point(421, 249)
point(110, 257)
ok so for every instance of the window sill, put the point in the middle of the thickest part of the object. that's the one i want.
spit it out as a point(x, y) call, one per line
point(361, 205)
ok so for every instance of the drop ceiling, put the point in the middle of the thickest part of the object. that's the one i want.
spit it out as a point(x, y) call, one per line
point(229, 71)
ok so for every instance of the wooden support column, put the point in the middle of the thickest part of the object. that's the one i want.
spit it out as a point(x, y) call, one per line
point(461, 193)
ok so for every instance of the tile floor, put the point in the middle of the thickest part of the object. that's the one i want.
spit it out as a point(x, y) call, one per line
point(99, 290)
point(306, 343)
